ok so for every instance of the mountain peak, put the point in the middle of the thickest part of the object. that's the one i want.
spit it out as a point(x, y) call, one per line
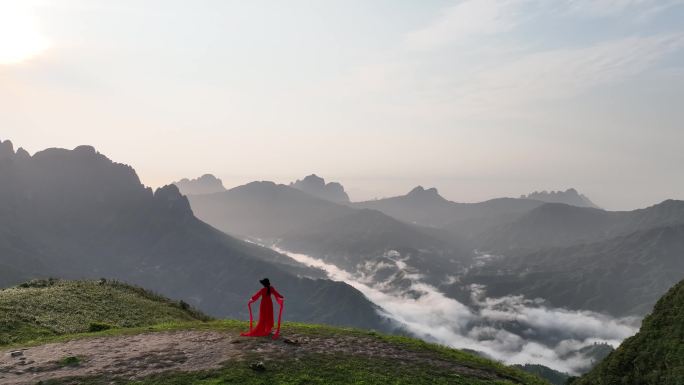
point(420, 191)
point(314, 179)
point(570, 197)
point(6, 149)
point(171, 197)
point(205, 184)
point(316, 186)
point(85, 149)
point(22, 154)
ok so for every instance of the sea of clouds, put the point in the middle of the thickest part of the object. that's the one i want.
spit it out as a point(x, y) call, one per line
point(511, 329)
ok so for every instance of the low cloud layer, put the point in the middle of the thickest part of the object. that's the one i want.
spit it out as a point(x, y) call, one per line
point(512, 329)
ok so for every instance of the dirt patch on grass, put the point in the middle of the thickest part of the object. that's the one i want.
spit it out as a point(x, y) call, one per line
point(138, 356)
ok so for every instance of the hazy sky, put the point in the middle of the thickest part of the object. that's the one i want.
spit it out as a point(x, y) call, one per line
point(480, 98)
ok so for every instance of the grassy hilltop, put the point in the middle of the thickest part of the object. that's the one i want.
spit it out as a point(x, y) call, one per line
point(44, 308)
point(102, 332)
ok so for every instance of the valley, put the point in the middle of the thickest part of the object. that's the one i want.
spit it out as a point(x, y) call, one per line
point(515, 279)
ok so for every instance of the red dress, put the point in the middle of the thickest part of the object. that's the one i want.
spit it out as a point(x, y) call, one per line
point(265, 324)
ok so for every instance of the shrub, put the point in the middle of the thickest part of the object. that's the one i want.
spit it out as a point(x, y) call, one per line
point(99, 326)
point(184, 305)
point(70, 361)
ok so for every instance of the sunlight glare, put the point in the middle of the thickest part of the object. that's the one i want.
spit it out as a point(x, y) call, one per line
point(20, 37)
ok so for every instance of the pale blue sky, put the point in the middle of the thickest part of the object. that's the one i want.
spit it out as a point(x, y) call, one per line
point(480, 98)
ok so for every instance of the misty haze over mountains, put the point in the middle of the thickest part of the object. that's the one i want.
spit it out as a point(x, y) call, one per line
point(569, 197)
point(316, 186)
point(491, 266)
point(206, 184)
point(520, 280)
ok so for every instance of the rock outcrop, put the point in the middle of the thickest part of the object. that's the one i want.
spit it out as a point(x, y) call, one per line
point(316, 186)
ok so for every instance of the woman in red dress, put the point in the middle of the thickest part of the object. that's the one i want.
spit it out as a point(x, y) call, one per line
point(265, 324)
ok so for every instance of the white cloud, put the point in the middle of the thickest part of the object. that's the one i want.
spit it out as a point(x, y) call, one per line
point(461, 76)
point(564, 73)
point(470, 18)
point(547, 336)
point(607, 8)
point(511, 87)
point(475, 18)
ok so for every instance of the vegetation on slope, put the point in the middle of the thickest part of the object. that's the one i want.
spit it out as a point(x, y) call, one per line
point(42, 308)
point(553, 376)
point(654, 356)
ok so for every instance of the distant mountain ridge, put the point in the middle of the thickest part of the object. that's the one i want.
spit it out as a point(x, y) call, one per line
point(569, 197)
point(316, 186)
point(263, 209)
point(427, 207)
point(576, 257)
point(553, 250)
point(618, 262)
point(293, 220)
point(205, 184)
point(623, 275)
point(560, 225)
point(421, 206)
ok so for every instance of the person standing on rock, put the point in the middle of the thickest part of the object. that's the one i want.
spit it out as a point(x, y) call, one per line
point(265, 324)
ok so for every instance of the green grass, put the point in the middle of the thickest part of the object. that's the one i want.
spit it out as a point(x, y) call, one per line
point(70, 361)
point(550, 375)
point(654, 356)
point(41, 309)
point(224, 325)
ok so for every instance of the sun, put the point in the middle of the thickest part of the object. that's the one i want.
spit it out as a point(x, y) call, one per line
point(20, 37)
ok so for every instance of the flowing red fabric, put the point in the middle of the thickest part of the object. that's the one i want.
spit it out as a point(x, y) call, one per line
point(265, 324)
point(281, 303)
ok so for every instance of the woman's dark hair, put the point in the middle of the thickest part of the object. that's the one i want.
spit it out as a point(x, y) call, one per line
point(267, 285)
